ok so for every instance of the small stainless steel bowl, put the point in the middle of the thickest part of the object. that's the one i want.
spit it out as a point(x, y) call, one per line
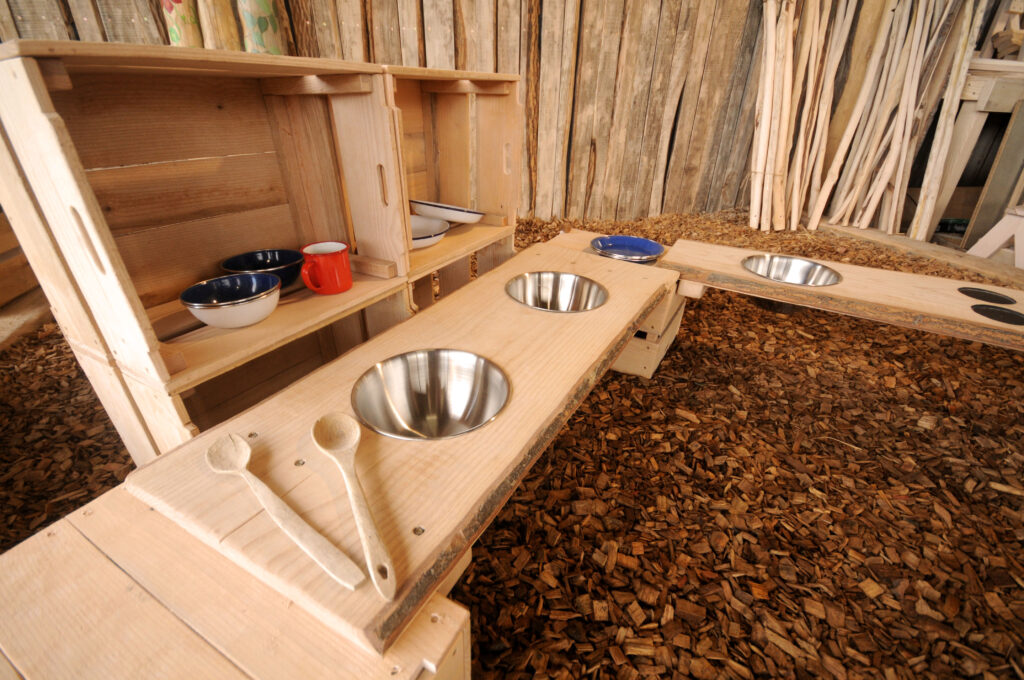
point(789, 269)
point(430, 394)
point(557, 291)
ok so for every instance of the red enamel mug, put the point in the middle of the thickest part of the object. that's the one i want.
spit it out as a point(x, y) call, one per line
point(326, 268)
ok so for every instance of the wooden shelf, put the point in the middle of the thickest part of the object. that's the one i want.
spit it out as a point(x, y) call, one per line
point(207, 352)
point(459, 242)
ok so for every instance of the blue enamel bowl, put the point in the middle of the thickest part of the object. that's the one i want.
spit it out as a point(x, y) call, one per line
point(628, 248)
point(233, 301)
point(285, 264)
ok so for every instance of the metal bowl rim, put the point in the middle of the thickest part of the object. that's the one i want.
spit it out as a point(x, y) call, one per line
point(596, 246)
point(220, 305)
point(607, 293)
point(359, 380)
point(298, 257)
point(445, 206)
point(771, 256)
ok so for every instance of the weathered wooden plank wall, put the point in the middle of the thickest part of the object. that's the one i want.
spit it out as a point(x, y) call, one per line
point(632, 107)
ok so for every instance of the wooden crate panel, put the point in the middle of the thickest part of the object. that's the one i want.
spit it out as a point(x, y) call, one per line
point(129, 120)
point(155, 194)
point(16, 276)
point(302, 128)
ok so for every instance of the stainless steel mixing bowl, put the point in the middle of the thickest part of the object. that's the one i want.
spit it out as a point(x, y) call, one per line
point(789, 269)
point(557, 291)
point(430, 394)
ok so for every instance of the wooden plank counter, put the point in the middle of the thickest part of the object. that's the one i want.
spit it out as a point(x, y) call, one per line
point(446, 490)
point(116, 590)
point(927, 303)
point(178, 572)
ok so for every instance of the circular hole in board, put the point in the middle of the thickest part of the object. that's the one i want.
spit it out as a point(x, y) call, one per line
point(987, 295)
point(1001, 314)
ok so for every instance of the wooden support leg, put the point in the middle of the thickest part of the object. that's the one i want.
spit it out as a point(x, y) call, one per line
point(164, 414)
point(110, 388)
point(1002, 180)
point(493, 255)
point(454, 276)
point(1010, 228)
point(423, 292)
point(966, 131)
point(390, 311)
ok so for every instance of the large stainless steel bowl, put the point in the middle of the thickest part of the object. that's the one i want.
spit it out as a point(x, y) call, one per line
point(789, 269)
point(557, 291)
point(430, 394)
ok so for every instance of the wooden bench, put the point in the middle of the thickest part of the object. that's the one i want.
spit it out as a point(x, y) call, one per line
point(927, 303)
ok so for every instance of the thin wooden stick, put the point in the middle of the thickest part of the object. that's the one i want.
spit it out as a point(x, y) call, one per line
point(844, 143)
point(819, 24)
point(920, 227)
point(784, 145)
point(762, 122)
point(837, 46)
point(773, 138)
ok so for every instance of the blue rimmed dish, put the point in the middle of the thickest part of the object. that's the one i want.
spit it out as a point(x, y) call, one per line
point(628, 248)
point(443, 211)
point(233, 301)
point(283, 263)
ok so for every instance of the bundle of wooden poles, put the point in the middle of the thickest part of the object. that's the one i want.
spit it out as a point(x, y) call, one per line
point(865, 181)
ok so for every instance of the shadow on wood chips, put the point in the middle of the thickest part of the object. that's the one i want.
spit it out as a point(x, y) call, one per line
point(793, 495)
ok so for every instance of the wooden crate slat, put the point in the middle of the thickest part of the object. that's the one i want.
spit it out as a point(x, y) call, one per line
point(302, 128)
point(365, 135)
point(156, 194)
point(114, 119)
point(16, 275)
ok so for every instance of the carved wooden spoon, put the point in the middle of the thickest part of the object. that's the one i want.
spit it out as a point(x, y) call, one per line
point(230, 455)
point(337, 435)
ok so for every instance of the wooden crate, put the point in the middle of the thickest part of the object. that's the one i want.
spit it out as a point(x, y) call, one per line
point(460, 134)
point(649, 344)
point(135, 170)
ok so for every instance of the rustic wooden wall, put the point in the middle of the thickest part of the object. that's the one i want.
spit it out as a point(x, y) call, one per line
point(632, 107)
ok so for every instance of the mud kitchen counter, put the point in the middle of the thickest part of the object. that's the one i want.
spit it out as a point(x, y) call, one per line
point(179, 573)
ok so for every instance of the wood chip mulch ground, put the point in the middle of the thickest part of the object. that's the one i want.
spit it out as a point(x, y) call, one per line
point(802, 495)
point(58, 449)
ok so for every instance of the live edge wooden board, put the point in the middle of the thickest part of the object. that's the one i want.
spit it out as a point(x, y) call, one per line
point(448, 490)
point(927, 303)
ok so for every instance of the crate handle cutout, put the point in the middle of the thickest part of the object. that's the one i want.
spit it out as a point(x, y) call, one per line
point(383, 184)
point(89, 245)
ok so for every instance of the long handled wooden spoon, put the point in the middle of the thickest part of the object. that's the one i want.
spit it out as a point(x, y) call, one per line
point(230, 455)
point(337, 435)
